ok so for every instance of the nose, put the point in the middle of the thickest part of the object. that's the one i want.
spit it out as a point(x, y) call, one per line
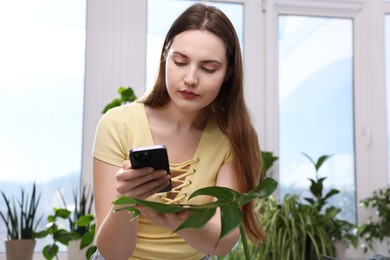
point(191, 77)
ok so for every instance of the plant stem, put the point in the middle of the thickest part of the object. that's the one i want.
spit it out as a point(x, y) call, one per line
point(244, 242)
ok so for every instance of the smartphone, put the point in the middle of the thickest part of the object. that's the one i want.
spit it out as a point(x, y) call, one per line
point(154, 156)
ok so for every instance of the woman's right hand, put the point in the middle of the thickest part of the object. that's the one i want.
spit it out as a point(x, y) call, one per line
point(140, 183)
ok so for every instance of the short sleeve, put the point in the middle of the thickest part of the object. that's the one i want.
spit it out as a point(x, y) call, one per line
point(110, 143)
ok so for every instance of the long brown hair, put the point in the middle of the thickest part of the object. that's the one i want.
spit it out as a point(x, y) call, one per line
point(229, 107)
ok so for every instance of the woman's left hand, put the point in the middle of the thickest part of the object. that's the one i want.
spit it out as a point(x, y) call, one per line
point(171, 220)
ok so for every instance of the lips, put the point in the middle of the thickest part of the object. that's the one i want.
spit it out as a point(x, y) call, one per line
point(188, 94)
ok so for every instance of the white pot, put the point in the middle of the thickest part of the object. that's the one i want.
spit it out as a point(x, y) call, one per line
point(341, 249)
point(74, 252)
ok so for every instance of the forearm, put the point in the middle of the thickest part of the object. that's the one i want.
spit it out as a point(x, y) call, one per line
point(205, 239)
point(117, 235)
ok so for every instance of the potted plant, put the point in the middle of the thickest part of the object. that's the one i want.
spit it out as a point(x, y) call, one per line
point(79, 232)
point(301, 229)
point(379, 228)
point(21, 222)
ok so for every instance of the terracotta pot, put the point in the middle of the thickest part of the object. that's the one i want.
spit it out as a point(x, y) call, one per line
point(74, 252)
point(19, 249)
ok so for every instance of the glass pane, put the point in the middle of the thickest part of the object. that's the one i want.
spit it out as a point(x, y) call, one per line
point(387, 68)
point(42, 51)
point(161, 15)
point(316, 106)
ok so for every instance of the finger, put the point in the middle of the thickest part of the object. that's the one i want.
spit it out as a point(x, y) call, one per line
point(126, 165)
point(154, 188)
point(124, 174)
point(143, 187)
point(183, 214)
point(142, 175)
point(149, 188)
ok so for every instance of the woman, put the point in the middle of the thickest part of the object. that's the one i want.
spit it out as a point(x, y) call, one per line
point(197, 110)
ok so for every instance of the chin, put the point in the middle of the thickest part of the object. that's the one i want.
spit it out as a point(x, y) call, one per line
point(190, 108)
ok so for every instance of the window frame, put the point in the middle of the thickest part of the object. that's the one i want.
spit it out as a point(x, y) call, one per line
point(116, 55)
point(114, 58)
point(369, 86)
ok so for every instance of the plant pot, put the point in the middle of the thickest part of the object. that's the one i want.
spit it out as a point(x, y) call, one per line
point(340, 249)
point(19, 249)
point(74, 252)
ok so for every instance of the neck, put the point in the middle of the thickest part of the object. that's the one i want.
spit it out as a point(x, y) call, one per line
point(181, 119)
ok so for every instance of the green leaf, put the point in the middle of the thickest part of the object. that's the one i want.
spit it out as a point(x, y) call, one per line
point(91, 251)
point(114, 103)
point(228, 200)
point(230, 218)
point(331, 212)
point(321, 160)
point(41, 234)
point(120, 90)
point(50, 251)
point(62, 213)
point(308, 157)
point(331, 193)
point(264, 189)
point(86, 240)
point(310, 200)
point(316, 188)
point(133, 210)
point(63, 236)
point(124, 200)
point(198, 218)
point(159, 207)
point(128, 95)
point(223, 194)
point(84, 221)
point(51, 219)
point(268, 160)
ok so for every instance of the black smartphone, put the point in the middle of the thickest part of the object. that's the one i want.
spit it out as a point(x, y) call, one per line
point(155, 156)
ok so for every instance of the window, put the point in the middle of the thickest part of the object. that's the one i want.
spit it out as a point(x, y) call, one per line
point(117, 57)
point(316, 105)
point(41, 98)
point(161, 15)
point(387, 67)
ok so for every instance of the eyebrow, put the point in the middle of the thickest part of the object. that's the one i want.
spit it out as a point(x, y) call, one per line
point(203, 61)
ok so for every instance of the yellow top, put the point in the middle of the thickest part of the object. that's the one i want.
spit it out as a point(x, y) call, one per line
point(126, 127)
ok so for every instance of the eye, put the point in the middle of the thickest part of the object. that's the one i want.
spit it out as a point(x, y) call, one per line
point(208, 70)
point(179, 63)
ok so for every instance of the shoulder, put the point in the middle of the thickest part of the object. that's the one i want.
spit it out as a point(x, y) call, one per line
point(123, 112)
point(213, 131)
point(125, 109)
point(215, 142)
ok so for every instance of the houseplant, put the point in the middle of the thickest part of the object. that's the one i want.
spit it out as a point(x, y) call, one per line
point(126, 95)
point(82, 222)
point(379, 228)
point(305, 230)
point(228, 201)
point(79, 232)
point(21, 222)
point(300, 229)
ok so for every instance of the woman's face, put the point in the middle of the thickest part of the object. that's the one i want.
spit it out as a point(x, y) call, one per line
point(195, 69)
